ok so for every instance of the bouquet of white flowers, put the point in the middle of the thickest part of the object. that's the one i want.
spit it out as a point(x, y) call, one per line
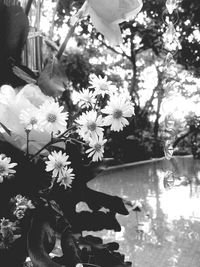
point(43, 150)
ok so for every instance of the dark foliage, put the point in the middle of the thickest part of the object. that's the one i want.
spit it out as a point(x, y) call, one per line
point(77, 68)
point(14, 30)
point(188, 55)
point(41, 224)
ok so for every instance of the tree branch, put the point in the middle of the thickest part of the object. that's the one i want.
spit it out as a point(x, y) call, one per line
point(64, 44)
point(52, 22)
point(28, 7)
point(148, 102)
point(115, 51)
point(181, 138)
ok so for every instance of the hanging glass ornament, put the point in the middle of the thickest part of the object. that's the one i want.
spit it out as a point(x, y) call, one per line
point(169, 60)
point(171, 5)
point(168, 149)
point(171, 42)
point(169, 179)
point(169, 122)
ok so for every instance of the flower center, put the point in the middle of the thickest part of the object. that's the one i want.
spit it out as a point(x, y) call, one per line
point(117, 114)
point(97, 147)
point(103, 87)
point(51, 118)
point(88, 98)
point(58, 165)
point(92, 126)
point(2, 169)
point(5, 223)
point(33, 121)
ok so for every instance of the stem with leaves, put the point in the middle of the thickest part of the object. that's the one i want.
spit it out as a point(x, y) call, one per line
point(54, 141)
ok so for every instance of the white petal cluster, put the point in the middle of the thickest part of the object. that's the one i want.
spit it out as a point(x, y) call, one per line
point(48, 117)
point(29, 109)
point(90, 125)
point(96, 149)
point(115, 114)
point(52, 118)
point(30, 118)
point(86, 99)
point(67, 178)
point(6, 167)
point(119, 108)
point(58, 164)
point(101, 85)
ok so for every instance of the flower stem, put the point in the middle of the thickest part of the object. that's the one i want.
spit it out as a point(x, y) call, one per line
point(53, 141)
point(27, 142)
point(44, 147)
point(75, 140)
point(74, 22)
point(64, 44)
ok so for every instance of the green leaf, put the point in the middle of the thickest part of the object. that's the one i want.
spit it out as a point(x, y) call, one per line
point(14, 28)
point(52, 79)
point(56, 208)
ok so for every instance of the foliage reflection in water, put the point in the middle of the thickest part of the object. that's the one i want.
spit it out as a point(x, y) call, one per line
point(167, 231)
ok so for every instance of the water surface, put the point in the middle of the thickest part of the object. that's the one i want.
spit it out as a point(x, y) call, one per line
point(171, 234)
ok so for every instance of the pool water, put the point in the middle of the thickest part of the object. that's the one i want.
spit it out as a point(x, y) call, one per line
point(167, 231)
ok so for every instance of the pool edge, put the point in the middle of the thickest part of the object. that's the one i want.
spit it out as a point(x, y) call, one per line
point(138, 163)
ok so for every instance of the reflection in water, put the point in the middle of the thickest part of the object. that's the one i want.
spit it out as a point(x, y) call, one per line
point(167, 231)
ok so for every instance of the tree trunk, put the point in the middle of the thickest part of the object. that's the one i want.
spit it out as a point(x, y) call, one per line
point(156, 123)
point(132, 88)
point(160, 95)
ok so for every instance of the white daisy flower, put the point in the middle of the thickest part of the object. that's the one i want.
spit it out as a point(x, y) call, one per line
point(101, 85)
point(57, 163)
point(52, 119)
point(86, 98)
point(90, 125)
point(118, 109)
point(67, 177)
point(5, 223)
point(29, 118)
point(97, 149)
point(6, 167)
